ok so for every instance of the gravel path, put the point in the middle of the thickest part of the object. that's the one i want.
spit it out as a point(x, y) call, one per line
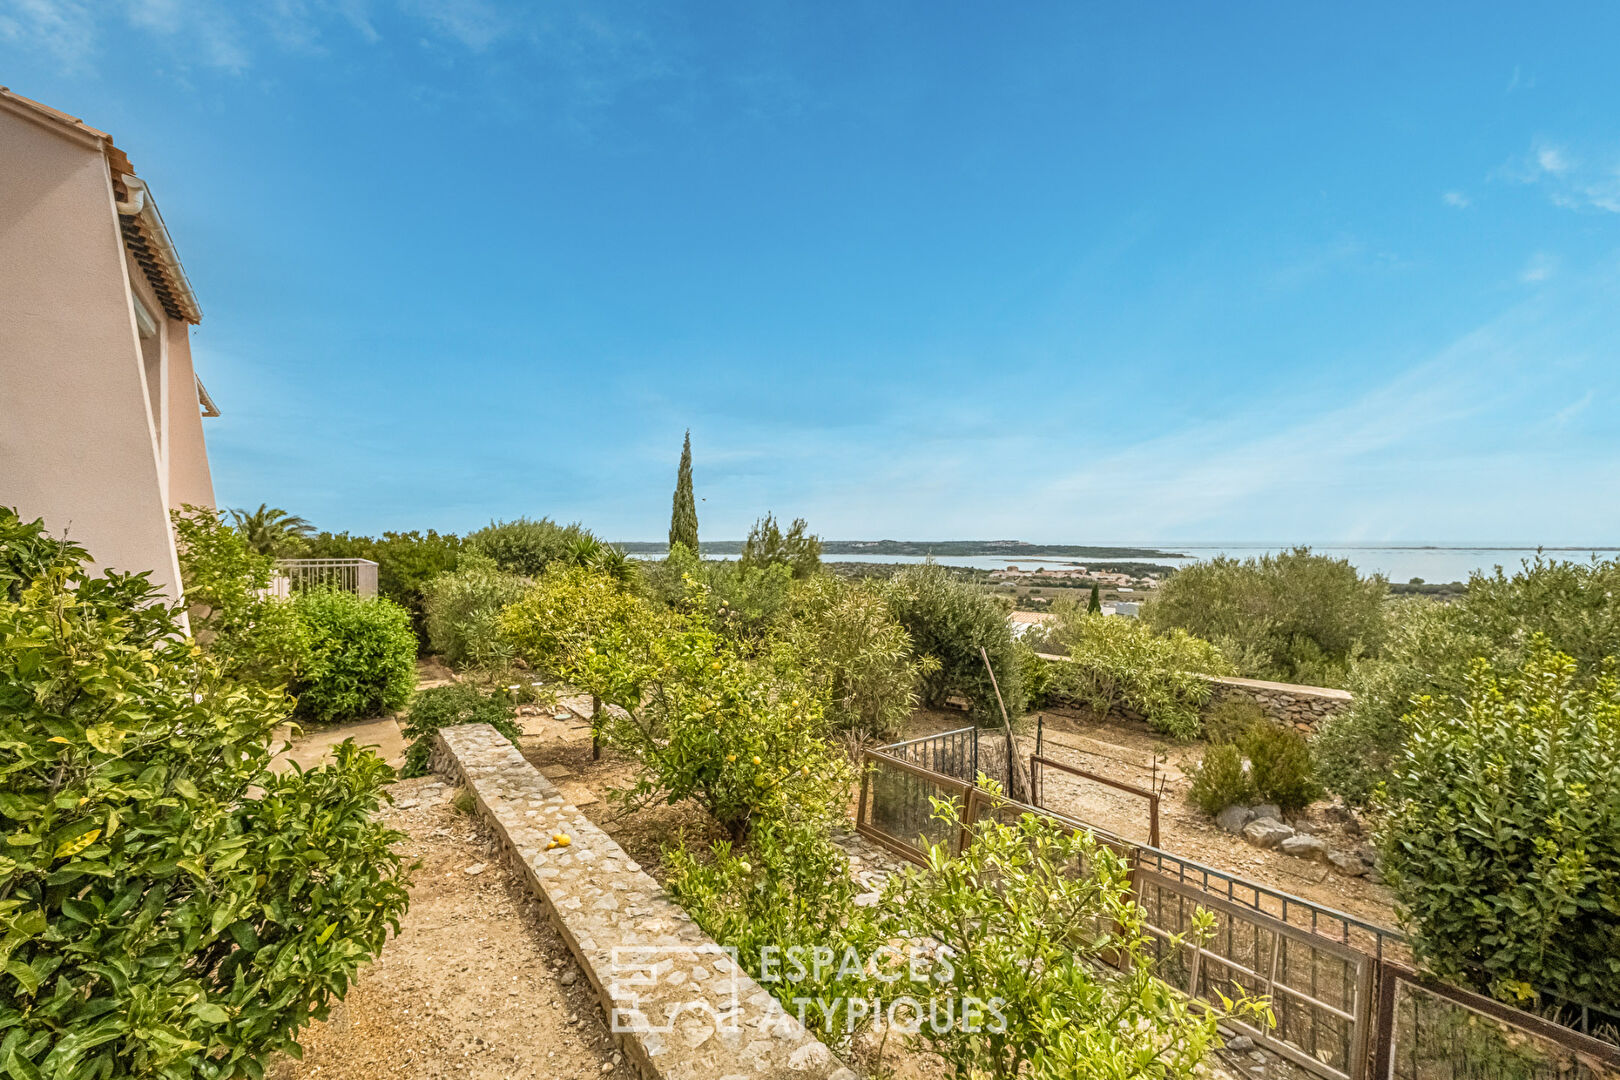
point(477, 985)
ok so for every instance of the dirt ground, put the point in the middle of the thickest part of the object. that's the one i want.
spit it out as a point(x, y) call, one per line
point(1133, 754)
point(477, 985)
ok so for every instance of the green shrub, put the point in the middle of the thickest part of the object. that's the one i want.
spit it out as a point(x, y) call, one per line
point(1431, 645)
point(1220, 780)
point(853, 655)
point(1067, 956)
point(1280, 766)
point(171, 908)
point(1121, 661)
point(448, 706)
point(249, 634)
point(406, 562)
point(1502, 841)
point(1293, 616)
point(527, 547)
point(796, 549)
point(789, 891)
point(362, 656)
point(747, 603)
point(1229, 719)
point(949, 620)
point(463, 611)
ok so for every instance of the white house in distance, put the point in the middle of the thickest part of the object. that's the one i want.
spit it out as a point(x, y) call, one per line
point(100, 411)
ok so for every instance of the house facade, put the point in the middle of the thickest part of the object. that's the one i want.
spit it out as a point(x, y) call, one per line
point(101, 412)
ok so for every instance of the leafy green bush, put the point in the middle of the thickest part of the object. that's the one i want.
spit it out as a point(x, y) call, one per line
point(1229, 719)
point(526, 547)
point(853, 655)
point(463, 611)
point(1280, 766)
point(1431, 645)
point(1220, 780)
point(743, 737)
point(1293, 616)
point(362, 656)
point(789, 891)
point(1018, 925)
point(1120, 661)
point(406, 562)
point(950, 620)
point(746, 603)
point(171, 908)
point(1502, 841)
point(249, 634)
point(448, 706)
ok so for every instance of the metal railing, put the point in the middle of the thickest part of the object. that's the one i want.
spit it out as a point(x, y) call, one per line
point(358, 576)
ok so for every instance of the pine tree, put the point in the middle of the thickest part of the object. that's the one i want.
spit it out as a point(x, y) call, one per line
point(1095, 606)
point(683, 523)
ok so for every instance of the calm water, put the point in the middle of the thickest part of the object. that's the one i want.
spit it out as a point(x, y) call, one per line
point(1395, 563)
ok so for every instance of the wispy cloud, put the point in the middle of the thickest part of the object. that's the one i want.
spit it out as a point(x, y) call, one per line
point(1576, 182)
point(1457, 199)
point(1540, 267)
point(62, 29)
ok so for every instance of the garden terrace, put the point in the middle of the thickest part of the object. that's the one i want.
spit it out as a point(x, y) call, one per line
point(1346, 1005)
point(702, 1016)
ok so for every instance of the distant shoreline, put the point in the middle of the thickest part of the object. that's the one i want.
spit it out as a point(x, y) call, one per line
point(952, 548)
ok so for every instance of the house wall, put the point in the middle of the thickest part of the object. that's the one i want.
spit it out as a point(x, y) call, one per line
point(190, 480)
point(76, 425)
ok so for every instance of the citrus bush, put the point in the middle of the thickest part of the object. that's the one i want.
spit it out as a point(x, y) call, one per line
point(1280, 765)
point(449, 706)
point(362, 656)
point(1502, 842)
point(1220, 780)
point(250, 634)
point(171, 908)
point(788, 891)
point(1067, 956)
point(742, 737)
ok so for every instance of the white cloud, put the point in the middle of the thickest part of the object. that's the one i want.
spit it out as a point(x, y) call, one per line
point(1540, 267)
point(1569, 181)
point(1457, 199)
point(64, 29)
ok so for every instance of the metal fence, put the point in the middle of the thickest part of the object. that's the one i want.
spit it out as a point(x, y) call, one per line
point(358, 576)
point(1346, 1007)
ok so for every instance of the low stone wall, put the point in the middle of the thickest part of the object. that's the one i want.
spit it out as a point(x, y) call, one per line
point(678, 1003)
point(1304, 707)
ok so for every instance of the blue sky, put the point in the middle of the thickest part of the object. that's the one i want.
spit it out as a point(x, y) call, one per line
point(1055, 271)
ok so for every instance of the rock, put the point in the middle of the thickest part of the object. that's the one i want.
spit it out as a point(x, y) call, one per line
point(1367, 854)
point(1240, 1044)
point(1303, 846)
point(1270, 810)
point(475, 869)
point(607, 1067)
point(1266, 832)
point(569, 977)
point(1346, 863)
point(1375, 877)
point(1303, 826)
point(1233, 818)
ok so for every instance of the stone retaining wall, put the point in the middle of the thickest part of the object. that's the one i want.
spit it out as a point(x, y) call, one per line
point(678, 1003)
point(1304, 707)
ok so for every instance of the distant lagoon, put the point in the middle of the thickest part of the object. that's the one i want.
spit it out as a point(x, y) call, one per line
point(1401, 564)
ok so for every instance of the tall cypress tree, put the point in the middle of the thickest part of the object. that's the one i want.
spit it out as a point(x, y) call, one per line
point(683, 518)
point(1095, 607)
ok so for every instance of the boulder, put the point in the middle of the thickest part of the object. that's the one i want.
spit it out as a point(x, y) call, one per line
point(1347, 863)
point(1270, 810)
point(1303, 846)
point(1233, 818)
point(1266, 832)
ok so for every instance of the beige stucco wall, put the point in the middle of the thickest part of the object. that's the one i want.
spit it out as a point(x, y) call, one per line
point(190, 481)
point(76, 435)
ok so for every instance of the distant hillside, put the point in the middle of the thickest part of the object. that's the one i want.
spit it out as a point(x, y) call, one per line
point(1010, 548)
